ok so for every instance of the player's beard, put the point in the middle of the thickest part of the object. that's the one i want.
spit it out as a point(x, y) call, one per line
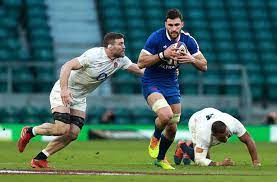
point(119, 54)
point(176, 34)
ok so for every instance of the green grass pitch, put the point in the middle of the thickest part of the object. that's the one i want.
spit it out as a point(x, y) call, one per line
point(131, 156)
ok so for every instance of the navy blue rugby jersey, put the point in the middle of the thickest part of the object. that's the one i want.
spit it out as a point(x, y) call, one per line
point(157, 42)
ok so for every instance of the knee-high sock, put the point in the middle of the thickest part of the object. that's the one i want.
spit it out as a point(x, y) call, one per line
point(164, 146)
point(158, 132)
point(189, 150)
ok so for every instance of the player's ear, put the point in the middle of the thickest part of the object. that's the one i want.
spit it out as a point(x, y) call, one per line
point(109, 46)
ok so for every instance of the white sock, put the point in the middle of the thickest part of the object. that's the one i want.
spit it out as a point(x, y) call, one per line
point(45, 152)
point(33, 131)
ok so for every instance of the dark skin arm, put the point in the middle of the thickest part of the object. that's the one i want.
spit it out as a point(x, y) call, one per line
point(251, 146)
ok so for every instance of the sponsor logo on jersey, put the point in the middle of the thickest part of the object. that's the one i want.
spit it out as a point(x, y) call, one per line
point(115, 64)
point(167, 67)
point(102, 76)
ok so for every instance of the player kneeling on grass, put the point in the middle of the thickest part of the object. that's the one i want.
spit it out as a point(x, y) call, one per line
point(210, 127)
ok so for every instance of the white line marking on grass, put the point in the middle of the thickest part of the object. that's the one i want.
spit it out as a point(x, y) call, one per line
point(117, 173)
point(106, 173)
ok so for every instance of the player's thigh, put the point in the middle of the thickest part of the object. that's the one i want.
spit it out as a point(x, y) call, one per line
point(159, 105)
point(154, 97)
point(61, 109)
point(61, 116)
point(79, 113)
point(77, 117)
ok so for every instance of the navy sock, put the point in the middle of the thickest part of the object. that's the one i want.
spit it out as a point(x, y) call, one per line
point(188, 150)
point(158, 132)
point(41, 156)
point(29, 130)
point(164, 146)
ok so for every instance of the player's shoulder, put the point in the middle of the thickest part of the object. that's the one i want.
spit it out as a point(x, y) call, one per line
point(184, 33)
point(95, 50)
point(125, 58)
point(158, 33)
point(211, 110)
point(187, 35)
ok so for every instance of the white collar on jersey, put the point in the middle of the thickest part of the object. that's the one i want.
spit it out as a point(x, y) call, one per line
point(177, 39)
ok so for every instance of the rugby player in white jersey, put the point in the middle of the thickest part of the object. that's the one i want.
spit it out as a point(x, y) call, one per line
point(78, 77)
point(210, 127)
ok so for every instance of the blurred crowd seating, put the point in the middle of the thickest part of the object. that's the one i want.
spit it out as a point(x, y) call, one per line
point(228, 32)
point(25, 38)
point(138, 115)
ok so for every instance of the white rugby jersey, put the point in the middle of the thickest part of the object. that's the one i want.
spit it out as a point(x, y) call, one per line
point(97, 67)
point(202, 122)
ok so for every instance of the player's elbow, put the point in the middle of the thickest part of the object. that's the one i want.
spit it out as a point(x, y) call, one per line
point(204, 68)
point(140, 65)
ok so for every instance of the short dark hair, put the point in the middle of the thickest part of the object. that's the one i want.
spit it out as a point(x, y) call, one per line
point(174, 13)
point(110, 37)
point(218, 127)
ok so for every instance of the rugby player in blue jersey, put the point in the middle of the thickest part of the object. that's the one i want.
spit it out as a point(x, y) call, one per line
point(160, 83)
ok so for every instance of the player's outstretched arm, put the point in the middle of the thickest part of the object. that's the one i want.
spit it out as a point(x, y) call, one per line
point(252, 149)
point(64, 75)
point(136, 70)
point(202, 160)
point(226, 162)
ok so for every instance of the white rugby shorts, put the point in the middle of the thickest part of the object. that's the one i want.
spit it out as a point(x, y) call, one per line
point(56, 100)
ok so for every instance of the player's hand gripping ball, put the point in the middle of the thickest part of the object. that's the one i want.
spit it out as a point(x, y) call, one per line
point(182, 49)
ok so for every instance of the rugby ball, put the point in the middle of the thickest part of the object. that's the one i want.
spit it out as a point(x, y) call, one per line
point(182, 48)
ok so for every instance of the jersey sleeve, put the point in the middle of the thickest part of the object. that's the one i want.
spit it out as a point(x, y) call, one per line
point(151, 45)
point(85, 59)
point(126, 63)
point(192, 46)
point(202, 139)
point(236, 127)
point(239, 128)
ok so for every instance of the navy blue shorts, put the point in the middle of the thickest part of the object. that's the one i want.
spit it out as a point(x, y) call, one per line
point(170, 93)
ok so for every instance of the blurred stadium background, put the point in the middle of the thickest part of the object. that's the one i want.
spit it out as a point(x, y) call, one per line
point(238, 38)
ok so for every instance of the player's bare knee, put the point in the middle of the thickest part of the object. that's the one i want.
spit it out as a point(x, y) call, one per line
point(62, 123)
point(165, 117)
point(62, 128)
point(73, 135)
